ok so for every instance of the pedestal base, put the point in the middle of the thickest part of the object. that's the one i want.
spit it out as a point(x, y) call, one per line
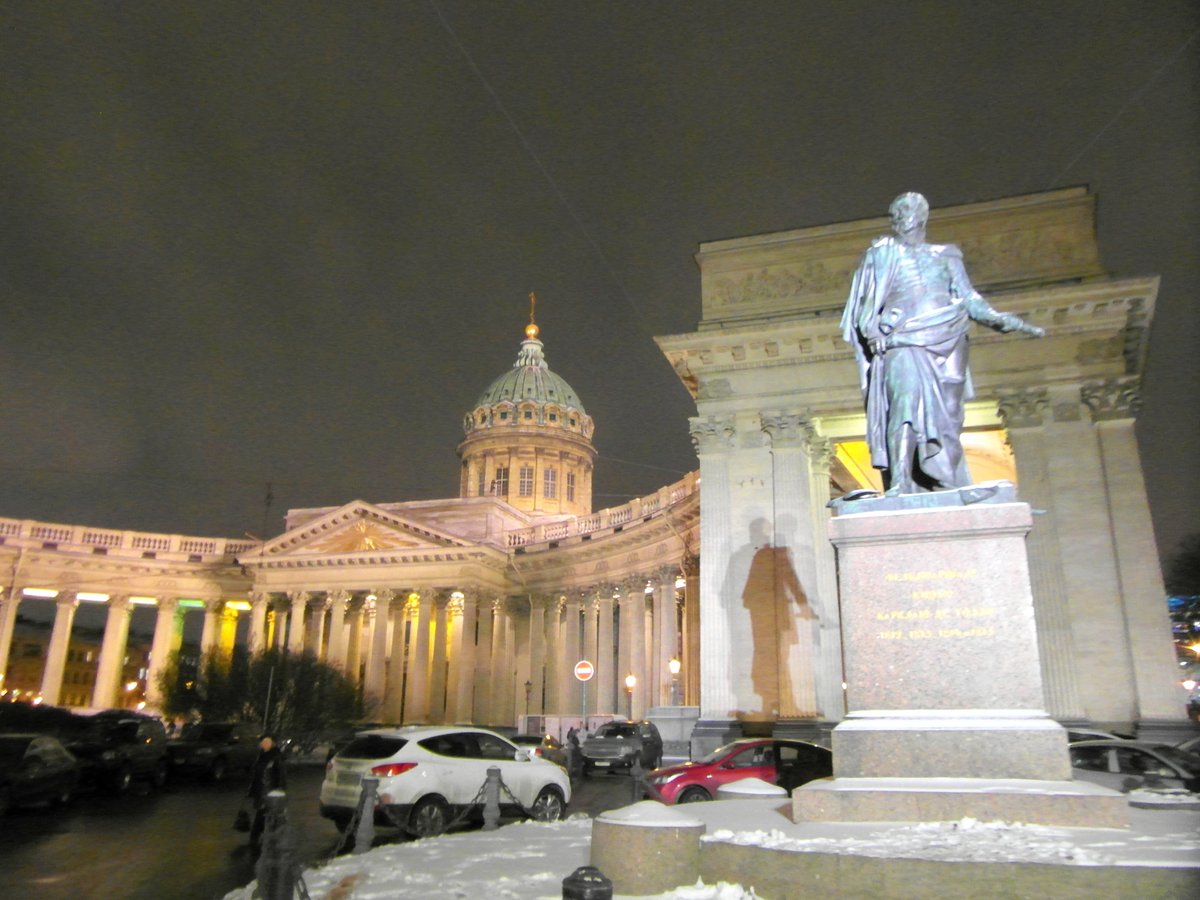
point(1035, 802)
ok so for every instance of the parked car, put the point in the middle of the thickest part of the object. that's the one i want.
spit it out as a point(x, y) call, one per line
point(430, 775)
point(1129, 765)
point(214, 749)
point(615, 745)
point(1191, 745)
point(117, 747)
point(786, 763)
point(35, 768)
point(544, 745)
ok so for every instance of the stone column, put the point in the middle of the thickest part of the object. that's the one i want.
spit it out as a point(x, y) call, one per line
point(416, 703)
point(356, 610)
point(10, 600)
point(299, 601)
point(168, 632)
point(1024, 413)
point(279, 638)
point(606, 656)
point(315, 640)
point(501, 667)
point(210, 634)
point(1113, 404)
point(227, 630)
point(483, 664)
point(403, 608)
point(571, 694)
point(335, 655)
point(112, 653)
point(633, 601)
point(793, 554)
point(665, 634)
point(56, 653)
point(537, 654)
point(256, 637)
point(827, 652)
point(690, 672)
point(375, 682)
point(462, 659)
point(555, 667)
point(713, 437)
point(437, 669)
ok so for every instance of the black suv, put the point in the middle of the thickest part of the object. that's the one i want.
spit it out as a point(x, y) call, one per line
point(615, 745)
point(214, 749)
point(115, 747)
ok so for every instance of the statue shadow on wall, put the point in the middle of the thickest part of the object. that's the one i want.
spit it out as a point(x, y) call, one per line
point(762, 575)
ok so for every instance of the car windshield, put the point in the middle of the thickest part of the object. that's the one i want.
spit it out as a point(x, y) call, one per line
point(372, 746)
point(720, 752)
point(199, 731)
point(617, 729)
point(1181, 758)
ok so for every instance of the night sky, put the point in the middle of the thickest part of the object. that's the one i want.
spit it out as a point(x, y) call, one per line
point(292, 243)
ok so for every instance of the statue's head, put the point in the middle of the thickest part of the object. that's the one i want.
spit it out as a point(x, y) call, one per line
point(910, 213)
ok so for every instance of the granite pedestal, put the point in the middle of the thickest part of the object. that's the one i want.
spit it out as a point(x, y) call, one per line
point(943, 682)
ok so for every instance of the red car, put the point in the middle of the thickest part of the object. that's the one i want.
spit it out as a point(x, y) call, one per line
point(782, 762)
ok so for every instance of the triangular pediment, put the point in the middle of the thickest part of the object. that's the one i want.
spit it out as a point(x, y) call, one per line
point(360, 528)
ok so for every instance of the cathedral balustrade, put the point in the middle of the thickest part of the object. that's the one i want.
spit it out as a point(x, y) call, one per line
point(643, 508)
point(16, 531)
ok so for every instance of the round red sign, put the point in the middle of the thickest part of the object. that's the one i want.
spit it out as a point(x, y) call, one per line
point(584, 670)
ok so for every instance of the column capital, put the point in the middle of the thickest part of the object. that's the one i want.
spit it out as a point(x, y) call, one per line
point(259, 598)
point(1023, 407)
point(665, 575)
point(456, 604)
point(821, 452)
point(384, 598)
point(790, 431)
point(339, 595)
point(67, 599)
point(214, 606)
point(712, 434)
point(298, 598)
point(167, 605)
point(1113, 398)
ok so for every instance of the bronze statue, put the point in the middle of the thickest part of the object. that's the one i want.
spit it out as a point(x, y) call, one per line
point(907, 317)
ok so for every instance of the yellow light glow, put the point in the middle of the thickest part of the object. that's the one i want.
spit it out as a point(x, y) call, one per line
point(91, 597)
point(631, 681)
point(131, 685)
point(239, 605)
point(44, 593)
point(143, 601)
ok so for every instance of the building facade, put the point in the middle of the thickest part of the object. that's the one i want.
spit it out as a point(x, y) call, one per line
point(477, 608)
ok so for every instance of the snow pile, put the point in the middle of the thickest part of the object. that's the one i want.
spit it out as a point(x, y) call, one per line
point(966, 840)
point(522, 861)
point(1164, 797)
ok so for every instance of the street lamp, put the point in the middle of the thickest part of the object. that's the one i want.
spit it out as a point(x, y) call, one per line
point(630, 684)
point(528, 692)
point(674, 665)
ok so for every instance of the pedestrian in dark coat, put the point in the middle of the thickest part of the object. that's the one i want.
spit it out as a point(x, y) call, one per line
point(267, 775)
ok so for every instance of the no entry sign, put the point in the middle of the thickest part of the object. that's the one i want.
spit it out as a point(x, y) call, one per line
point(584, 670)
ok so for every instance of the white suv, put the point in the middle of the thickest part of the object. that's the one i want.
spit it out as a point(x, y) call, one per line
point(429, 775)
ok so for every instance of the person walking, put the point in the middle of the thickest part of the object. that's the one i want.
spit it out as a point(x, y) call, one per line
point(267, 775)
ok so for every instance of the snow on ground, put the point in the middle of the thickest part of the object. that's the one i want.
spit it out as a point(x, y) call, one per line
point(529, 860)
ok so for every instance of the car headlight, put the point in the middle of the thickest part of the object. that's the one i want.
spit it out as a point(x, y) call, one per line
point(665, 779)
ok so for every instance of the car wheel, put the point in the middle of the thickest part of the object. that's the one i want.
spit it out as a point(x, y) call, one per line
point(122, 779)
point(217, 770)
point(548, 806)
point(428, 818)
point(693, 794)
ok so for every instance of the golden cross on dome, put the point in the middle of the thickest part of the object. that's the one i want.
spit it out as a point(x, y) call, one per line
point(531, 330)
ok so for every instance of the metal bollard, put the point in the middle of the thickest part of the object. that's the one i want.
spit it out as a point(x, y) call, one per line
point(277, 869)
point(635, 778)
point(587, 883)
point(364, 835)
point(491, 799)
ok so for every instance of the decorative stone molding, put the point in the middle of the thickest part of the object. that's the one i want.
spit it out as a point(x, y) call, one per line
point(1113, 398)
point(341, 596)
point(821, 453)
point(1023, 407)
point(712, 434)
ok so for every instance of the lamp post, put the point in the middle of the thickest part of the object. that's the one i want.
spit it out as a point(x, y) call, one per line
point(528, 693)
point(630, 684)
point(674, 665)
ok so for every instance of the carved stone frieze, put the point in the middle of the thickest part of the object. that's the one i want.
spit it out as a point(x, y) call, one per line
point(1113, 398)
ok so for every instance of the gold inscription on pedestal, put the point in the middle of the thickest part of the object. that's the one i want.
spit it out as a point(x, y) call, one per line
point(945, 621)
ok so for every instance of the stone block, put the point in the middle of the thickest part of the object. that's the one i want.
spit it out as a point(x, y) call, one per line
point(646, 848)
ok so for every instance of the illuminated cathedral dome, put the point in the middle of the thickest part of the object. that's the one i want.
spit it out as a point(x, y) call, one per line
point(529, 439)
